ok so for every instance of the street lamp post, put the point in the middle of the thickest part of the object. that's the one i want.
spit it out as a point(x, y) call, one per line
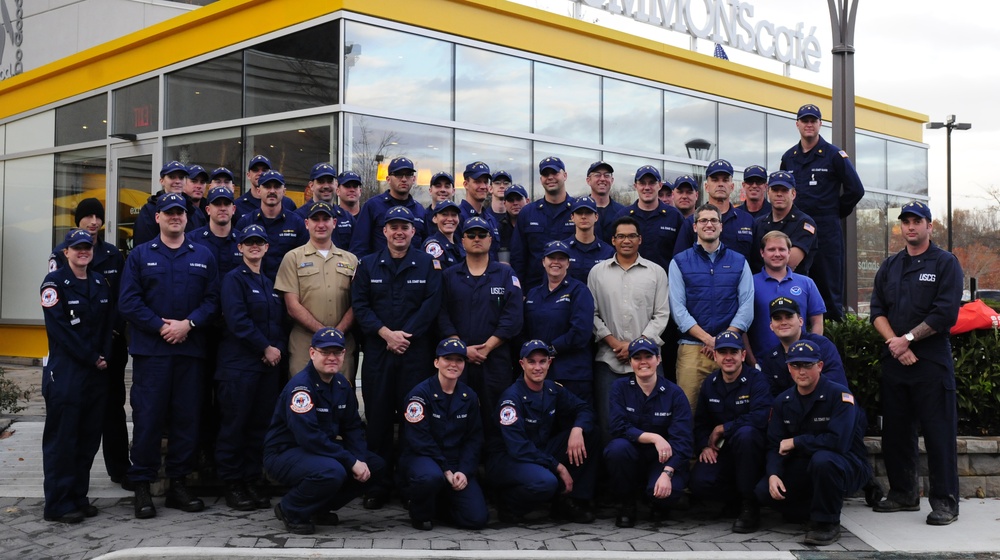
point(950, 124)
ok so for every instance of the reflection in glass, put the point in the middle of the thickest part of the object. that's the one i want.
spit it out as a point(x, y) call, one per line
point(492, 89)
point(874, 236)
point(397, 71)
point(216, 148)
point(82, 121)
point(623, 189)
point(632, 116)
point(567, 103)
point(133, 183)
point(907, 168)
point(370, 143)
point(294, 146)
point(513, 155)
point(742, 136)
point(297, 71)
point(136, 108)
point(78, 175)
point(870, 161)
point(577, 160)
point(210, 91)
point(781, 135)
point(687, 118)
point(27, 236)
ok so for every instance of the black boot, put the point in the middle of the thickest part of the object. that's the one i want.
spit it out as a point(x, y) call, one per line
point(626, 515)
point(257, 495)
point(238, 498)
point(144, 508)
point(749, 518)
point(179, 497)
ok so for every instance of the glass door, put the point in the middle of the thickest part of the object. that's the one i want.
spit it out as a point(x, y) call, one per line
point(132, 181)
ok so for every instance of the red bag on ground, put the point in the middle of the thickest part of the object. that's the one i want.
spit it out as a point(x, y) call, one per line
point(975, 315)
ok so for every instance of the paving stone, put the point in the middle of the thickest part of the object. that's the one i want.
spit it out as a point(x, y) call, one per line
point(588, 545)
point(559, 544)
point(300, 542)
point(648, 546)
point(473, 545)
point(443, 544)
point(387, 543)
point(416, 544)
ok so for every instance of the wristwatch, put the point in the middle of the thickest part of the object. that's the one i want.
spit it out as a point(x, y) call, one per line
point(908, 336)
point(190, 322)
point(669, 473)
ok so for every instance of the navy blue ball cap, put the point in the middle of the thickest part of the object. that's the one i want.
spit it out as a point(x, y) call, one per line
point(253, 230)
point(685, 180)
point(781, 304)
point(172, 166)
point(515, 190)
point(781, 179)
point(399, 214)
point(719, 166)
point(757, 171)
point(444, 205)
point(322, 170)
point(476, 222)
point(222, 171)
point(551, 163)
point(349, 177)
point(78, 237)
point(803, 351)
point(535, 345)
point(195, 170)
point(916, 208)
point(553, 247)
point(320, 207)
point(215, 193)
point(442, 175)
point(501, 174)
point(170, 200)
point(401, 164)
point(584, 203)
point(808, 110)
point(450, 347)
point(258, 159)
point(599, 164)
point(666, 186)
point(328, 337)
point(643, 344)
point(476, 170)
point(729, 339)
point(271, 175)
point(648, 170)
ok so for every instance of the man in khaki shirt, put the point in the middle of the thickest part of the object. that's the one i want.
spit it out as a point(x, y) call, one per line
point(316, 282)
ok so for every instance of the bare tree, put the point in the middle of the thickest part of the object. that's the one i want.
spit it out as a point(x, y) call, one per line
point(368, 149)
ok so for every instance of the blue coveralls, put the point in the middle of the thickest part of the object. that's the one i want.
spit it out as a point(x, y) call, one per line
point(737, 233)
point(583, 257)
point(466, 211)
point(285, 232)
point(633, 466)
point(344, 230)
point(820, 174)
point(438, 246)
point(534, 431)
point(910, 290)
point(368, 237)
point(404, 296)
point(741, 407)
point(79, 314)
point(798, 226)
point(564, 319)
point(606, 216)
point(772, 364)
point(441, 433)
point(224, 249)
point(146, 229)
point(176, 284)
point(796, 287)
point(246, 387)
point(248, 204)
point(764, 210)
point(474, 308)
point(660, 229)
point(315, 438)
point(538, 223)
point(829, 460)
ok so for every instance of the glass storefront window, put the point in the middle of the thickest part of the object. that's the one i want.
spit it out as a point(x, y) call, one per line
point(211, 149)
point(370, 143)
point(397, 71)
point(78, 175)
point(210, 91)
point(577, 160)
point(36, 132)
point(297, 71)
point(293, 147)
point(623, 189)
point(690, 127)
point(136, 108)
point(512, 155)
point(492, 89)
point(567, 104)
point(874, 236)
point(906, 168)
point(82, 121)
point(632, 116)
point(27, 234)
point(870, 161)
point(742, 136)
point(781, 135)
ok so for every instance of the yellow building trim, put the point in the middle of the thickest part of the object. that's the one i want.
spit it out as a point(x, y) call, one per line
point(23, 341)
point(228, 22)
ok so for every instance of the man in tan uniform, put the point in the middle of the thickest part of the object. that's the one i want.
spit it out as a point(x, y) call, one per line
point(316, 282)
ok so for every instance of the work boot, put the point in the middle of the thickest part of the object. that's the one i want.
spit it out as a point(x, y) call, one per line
point(749, 518)
point(571, 510)
point(293, 526)
point(873, 493)
point(144, 508)
point(941, 517)
point(259, 498)
point(238, 498)
point(889, 505)
point(822, 534)
point(626, 515)
point(179, 497)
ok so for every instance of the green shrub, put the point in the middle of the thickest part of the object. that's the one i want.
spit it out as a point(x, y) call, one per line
point(10, 393)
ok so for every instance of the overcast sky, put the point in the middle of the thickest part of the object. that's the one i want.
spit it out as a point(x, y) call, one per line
point(932, 57)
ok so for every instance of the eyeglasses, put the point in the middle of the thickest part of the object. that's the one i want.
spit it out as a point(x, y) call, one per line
point(327, 352)
point(254, 242)
point(600, 175)
point(705, 221)
point(624, 236)
point(478, 234)
point(755, 181)
point(802, 365)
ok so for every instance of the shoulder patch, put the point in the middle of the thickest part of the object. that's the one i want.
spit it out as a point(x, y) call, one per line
point(516, 282)
point(847, 397)
point(50, 297)
point(301, 402)
point(414, 412)
point(437, 264)
point(508, 415)
point(434, 249)
point(843, 154)
point(809, 227)
point(53, 264)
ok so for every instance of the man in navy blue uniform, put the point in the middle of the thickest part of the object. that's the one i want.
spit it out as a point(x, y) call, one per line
point(659, 224)
point(666, 193)
point(540, 222)
point(729, 426)
point(546, 447)
point(755, 200)
point(514, 199)
point(169, 296)
point(786, 324)
point(785, 217)
point(222, 177)
point(482, 305)
point(442, 188)
point(79, 313)
point(478, 189)
point(585, 247)
point(442, 437)
point(252, 195)
point(323, 183)
point(173, 177)
point(396, 296)
point(914, 305)
point(219, 235)
point(828, 190)
point(601, 180)
point(815, 452)
point(286, 229)
point(368, 237)
point(316, 443)
point(195, 187)
point(685, 195)
point(349, 195)
point(108, 261)
point(737, 224)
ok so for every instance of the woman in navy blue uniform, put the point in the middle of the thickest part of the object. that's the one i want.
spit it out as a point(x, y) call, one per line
point(442, 438)
point(650, 421)
point(79, 313)
point(440, 244)
point(247, 376)
point(561, 311)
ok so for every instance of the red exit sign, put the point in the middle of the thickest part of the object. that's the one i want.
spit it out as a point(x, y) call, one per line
point(141, 116)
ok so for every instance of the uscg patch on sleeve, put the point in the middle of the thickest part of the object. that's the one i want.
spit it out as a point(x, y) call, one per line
point(50, 297)
point(301, 402)
point(508, 415)
point(414, 412)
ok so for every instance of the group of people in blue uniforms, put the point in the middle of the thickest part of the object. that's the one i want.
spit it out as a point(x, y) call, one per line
point(513, 392)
